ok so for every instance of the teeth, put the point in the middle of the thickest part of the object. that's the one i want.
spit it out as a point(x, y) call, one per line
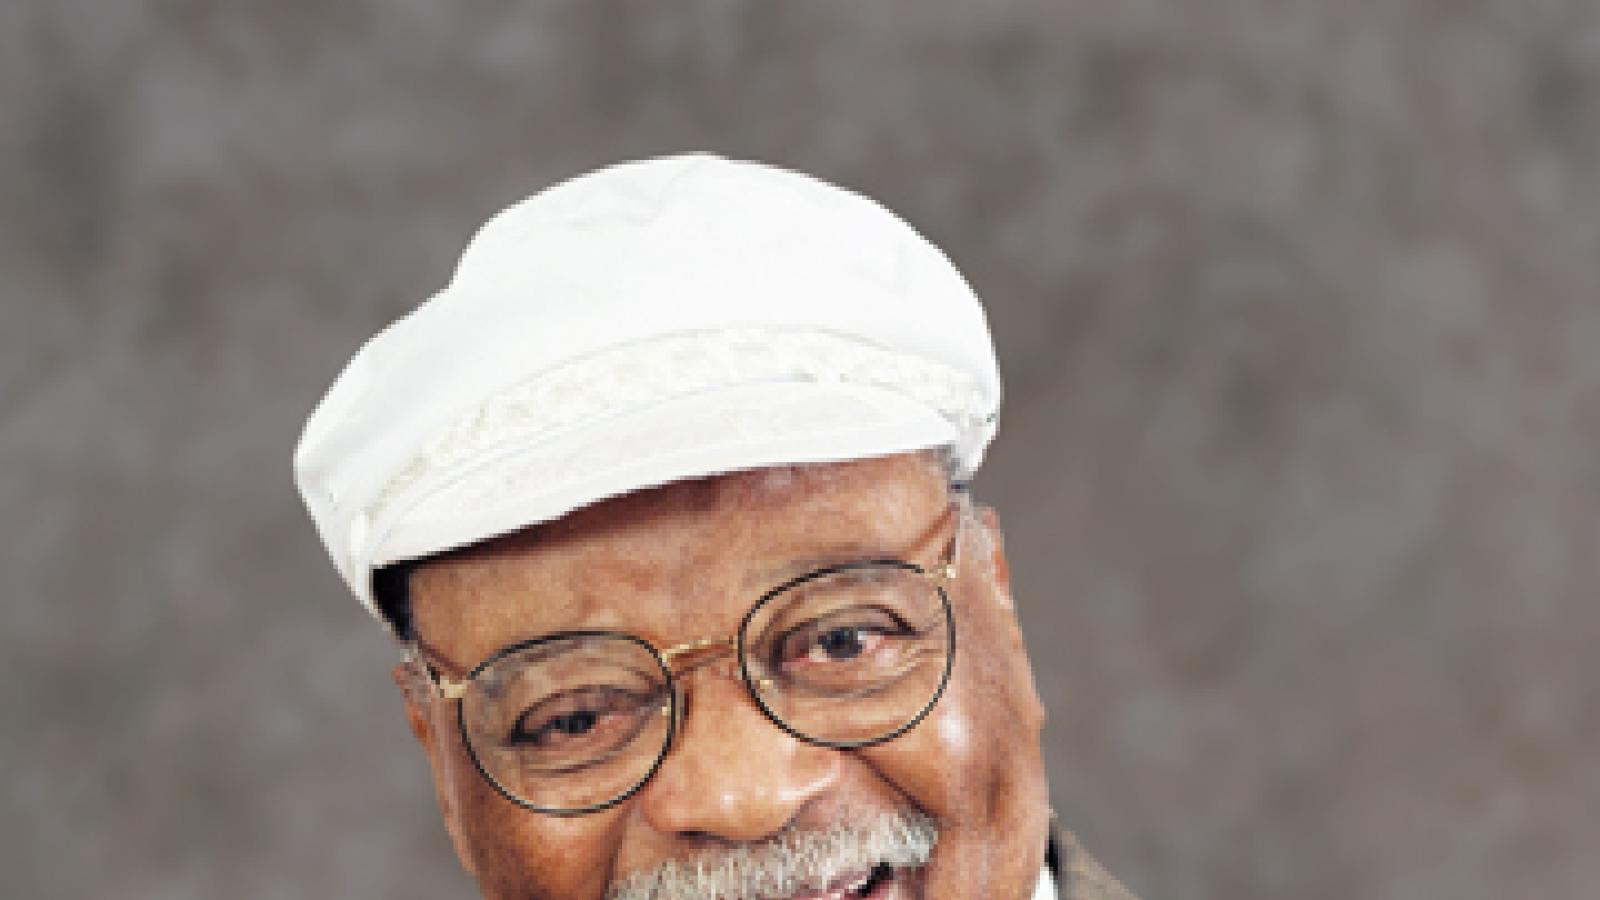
point(860, 887)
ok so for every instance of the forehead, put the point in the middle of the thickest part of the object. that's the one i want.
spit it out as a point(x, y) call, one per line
point(676, 558)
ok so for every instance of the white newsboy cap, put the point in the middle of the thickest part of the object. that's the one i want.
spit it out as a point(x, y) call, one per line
point(648, 322)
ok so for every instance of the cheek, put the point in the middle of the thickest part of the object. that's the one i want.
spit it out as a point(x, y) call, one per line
point(976, 756)
point(954, 735)
point(510, 847)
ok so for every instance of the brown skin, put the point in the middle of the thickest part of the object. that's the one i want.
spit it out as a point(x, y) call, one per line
point(686, 561)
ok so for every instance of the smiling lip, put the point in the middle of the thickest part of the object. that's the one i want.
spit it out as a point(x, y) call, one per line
point(846, 887)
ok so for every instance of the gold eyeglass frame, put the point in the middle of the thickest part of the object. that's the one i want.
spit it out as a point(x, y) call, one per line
point(940, 577)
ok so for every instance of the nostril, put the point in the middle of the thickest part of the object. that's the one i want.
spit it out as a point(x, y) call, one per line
point(705, 840)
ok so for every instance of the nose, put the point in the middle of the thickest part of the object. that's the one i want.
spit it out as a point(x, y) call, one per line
point(731, 774)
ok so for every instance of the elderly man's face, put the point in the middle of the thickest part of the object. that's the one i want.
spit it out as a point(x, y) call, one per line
point(687, 561)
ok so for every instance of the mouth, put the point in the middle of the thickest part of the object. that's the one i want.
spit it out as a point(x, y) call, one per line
point(877, 883)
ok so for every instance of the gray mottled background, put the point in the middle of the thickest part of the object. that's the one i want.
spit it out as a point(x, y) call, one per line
point(1299, 304)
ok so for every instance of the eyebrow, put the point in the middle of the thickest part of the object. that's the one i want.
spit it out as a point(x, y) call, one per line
point(823, 559)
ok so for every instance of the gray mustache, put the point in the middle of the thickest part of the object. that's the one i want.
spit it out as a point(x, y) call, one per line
point(793, 860)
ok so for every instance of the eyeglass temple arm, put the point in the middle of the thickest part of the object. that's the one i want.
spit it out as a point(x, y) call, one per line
point(446, 687)
point(945, 571)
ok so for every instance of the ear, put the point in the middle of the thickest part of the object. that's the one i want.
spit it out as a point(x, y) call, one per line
point(429, 721)
point(995, 552)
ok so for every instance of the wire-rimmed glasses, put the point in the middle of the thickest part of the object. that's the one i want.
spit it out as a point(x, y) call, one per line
point(845, 656)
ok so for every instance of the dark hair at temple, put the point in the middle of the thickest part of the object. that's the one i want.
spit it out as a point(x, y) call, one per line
point(391, 592)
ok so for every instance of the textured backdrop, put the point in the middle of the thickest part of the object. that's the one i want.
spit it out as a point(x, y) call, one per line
point(1299, 309)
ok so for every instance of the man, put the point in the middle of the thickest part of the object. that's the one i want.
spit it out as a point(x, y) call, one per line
point(664, 496)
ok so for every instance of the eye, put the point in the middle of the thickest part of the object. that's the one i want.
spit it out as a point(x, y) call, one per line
point(840, 638)
point(843, 643)
point(581, 719)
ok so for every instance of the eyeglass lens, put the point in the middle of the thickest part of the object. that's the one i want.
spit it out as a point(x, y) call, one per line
point(844, 657)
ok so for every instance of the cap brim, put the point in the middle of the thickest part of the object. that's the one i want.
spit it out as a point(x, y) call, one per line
point(728, 429)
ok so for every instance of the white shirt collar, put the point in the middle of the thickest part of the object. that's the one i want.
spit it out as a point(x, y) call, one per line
point(1045, 889)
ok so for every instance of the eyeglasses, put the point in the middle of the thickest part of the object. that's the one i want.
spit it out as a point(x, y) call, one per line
point(845, 656)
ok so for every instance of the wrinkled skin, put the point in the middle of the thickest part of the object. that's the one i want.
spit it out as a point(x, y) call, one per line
point(685, 561)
